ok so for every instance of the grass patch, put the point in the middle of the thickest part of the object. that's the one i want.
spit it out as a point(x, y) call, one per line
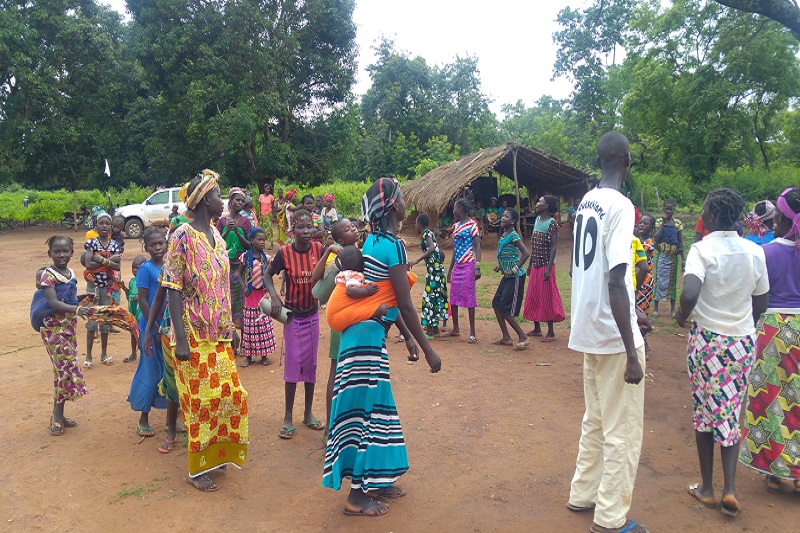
point(139, 491)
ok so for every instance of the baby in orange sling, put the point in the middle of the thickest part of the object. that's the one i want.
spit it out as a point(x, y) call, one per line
point(354, 299)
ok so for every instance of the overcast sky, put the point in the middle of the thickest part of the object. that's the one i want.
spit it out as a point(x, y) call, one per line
point(512, 40)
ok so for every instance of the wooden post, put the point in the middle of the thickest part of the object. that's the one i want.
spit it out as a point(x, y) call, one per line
point(75, 210)
point(516, 184)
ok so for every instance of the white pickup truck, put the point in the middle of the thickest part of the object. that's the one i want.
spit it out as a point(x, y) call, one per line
point(154, 211)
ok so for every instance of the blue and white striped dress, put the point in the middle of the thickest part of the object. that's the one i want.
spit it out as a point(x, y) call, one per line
point(366, 441)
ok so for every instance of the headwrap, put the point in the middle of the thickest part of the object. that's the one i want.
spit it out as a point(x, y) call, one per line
point(379, 199)
point(328, 197)
point(289, 194)
point(756, 222)
point(102, 214)
point(789, 213)
point(237, 190)
point(206, 185)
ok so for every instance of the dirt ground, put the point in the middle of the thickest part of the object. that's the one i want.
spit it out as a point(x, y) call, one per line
point(492, 439)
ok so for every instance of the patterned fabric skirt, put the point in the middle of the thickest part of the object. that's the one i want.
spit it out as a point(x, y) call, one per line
point(366, 441)
point(462, 286)
point(266, 225)
point(772, 419)
point(434, 299)
point(666, 277)
point(167, 386)
point(301, 341)
point(58, 335)
point(644, 296)
point(144, 393)
point(258, 334)
point(237, 297)
point(214, 405)
point(718, 369)
point(543, 301)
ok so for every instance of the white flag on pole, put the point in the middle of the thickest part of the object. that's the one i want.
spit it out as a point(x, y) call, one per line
point(108, 169)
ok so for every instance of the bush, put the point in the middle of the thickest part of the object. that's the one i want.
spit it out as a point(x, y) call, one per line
point(652, 187)
point(758, 184)
point(49, 206)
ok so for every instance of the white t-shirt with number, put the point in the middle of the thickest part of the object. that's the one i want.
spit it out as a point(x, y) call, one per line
point(602, 232)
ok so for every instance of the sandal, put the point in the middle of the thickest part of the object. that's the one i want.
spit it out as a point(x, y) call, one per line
point(772, 483)
point(729, 505)
point(503, 342)
point(203, 483)
point(286, 432)
point(87, 364)
point(372, 508)
point(265, 361)
point(628, 527)
point(392, 492)
point(70, 423)
point(534, 333)
point(167, 446)
point(547, 339)
point(56, 428)
point(692, 491)
point(108, 361)
point(472, 340)
point(129, 358)
point(522, 345)
point(247, 362)
point(144, 431)
point(314, 424)
point(579, 509)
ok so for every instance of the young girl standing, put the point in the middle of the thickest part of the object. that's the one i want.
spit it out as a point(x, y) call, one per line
point(511, 258)
point(644, 290)
point(301, 336)
point(265, 202)
point(434, 299)
point(101, 257)
point(258, 335)
point(235, 228)
point(721, 346)
point(144, 394)
point(543, 301)
point(60, 289)
point(669, 243)
point(465, 266)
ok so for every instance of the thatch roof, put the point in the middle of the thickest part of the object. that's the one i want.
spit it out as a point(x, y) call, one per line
point(538, 171)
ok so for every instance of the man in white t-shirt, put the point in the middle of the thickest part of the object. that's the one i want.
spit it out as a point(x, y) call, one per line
point(604, 328)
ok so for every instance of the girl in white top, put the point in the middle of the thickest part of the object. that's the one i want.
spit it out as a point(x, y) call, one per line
point(725, 290)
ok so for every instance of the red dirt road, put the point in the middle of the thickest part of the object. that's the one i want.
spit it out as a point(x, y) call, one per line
point(492, 440)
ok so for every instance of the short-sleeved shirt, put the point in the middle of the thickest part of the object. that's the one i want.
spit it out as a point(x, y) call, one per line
point(637, 254)
point(602, 241)
point(783, 267)
point(232, 242)
point(543, 238)
point(732, 270)
point(463, 233)
point(148, 278)
point(133, 305)
point(102, 279)
point(298, 266)
point(201, 272)
point(383, 251)
point(766, 238)
point(700, 228)
point(351, 278)
point(508, 253)
point(266, 201)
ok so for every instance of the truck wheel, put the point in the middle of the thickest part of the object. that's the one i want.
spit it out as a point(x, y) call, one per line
point(134, 228)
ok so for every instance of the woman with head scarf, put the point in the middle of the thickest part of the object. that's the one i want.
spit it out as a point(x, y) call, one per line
point(197, 277)
point(329, 214)
point(771, 443)
point(760, 221)
point(366, 441)
point(235, 229)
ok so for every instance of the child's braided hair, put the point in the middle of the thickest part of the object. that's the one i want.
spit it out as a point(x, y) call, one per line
point(725, 206)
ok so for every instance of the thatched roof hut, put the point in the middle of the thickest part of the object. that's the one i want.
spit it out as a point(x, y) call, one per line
point(538, 171)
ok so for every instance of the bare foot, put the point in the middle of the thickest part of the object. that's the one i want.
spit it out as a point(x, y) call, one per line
point(380, 311)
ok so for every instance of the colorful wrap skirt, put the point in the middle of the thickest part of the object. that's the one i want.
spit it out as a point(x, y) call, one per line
point(214, 405)
point(258, 333)
point(462, 286)
point(58, 336)
point(772, 419)
point(434, 299)
point(366, 441)
point(719, 366)
point(667, 266)
point(167, 386)
point(144, 394)
point(543, 301)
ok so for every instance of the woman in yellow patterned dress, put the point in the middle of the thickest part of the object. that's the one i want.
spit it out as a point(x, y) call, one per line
point(197, 277)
